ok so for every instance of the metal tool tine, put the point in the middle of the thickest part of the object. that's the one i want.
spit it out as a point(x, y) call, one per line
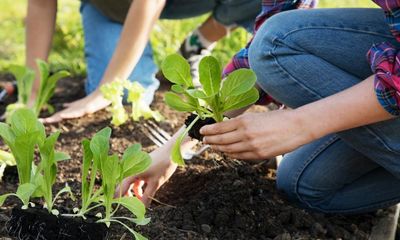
point(155, 133)
point(160, 130)
point(151, 137)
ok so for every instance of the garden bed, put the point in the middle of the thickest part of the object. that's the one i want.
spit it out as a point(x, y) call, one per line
point(211, 198)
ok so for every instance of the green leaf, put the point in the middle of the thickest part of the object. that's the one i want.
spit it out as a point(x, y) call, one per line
point(99, 145)
point(61, 156)
point(7, 158)
point(177, 88)
point(25, 78)
point(241, 101)
point(6, 133)
point(238, 82)
point(4, 197)
point(176, 154)
point(133, 204)
point(196, 93)
point(87, 158)
point(23, 121)
point(25, 191)
point(175, 101)
point(136, 164)
point(210, 75)
point(177, 70)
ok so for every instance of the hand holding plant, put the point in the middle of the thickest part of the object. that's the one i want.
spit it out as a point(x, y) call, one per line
point(213, 99)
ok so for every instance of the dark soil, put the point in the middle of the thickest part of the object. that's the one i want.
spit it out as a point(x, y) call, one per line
point(194, 132)
point(10, 174)
point(37, 223)
point(210, 198)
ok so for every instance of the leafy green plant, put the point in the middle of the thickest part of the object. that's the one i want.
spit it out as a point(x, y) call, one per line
point(114, 92)
point(112, 169)
point(25, 78)
point(213, 99)
point(23, 135)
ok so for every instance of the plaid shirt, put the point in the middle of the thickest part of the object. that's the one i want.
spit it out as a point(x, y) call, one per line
point(384, 58)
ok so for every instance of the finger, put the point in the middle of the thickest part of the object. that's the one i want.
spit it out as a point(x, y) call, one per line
point(67, 104)
point(238, 147)
point(69, 113)
point(219, 128)
point(223, 139)
point(123, 188)
point(245, 156)
point(149, 192)
point(52, 119)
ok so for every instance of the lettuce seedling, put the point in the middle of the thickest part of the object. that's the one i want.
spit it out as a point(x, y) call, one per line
point(25, 78)
point(213, 99)
point(23, 135)
point(112, 169)
point(114, 92)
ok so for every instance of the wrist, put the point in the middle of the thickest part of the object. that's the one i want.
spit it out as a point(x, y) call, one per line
point(308, 125)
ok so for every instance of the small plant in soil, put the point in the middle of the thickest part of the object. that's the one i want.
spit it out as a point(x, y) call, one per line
point(23, 135)
point(114, 92)
point(25, 78)
point(212, 100)
point(112, 169)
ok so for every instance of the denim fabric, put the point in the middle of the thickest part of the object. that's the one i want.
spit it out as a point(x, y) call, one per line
point(102, 35)
point(302, 56)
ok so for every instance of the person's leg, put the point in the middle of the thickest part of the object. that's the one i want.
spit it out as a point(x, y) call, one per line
point(305, 55)
point(329, 176)
point(101, 37)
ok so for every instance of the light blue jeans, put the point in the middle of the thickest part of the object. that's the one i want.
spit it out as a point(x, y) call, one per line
point(302, 56)
point(102, 35)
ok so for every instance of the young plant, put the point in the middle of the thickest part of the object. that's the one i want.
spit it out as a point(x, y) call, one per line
point(25, 78)
point(23, 135)
point(114, 92)
point(112, 170)
point(213, 99)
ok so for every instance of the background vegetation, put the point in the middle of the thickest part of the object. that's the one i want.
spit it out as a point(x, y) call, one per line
point(67, 50)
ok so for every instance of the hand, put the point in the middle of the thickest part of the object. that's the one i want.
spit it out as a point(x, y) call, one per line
point(258, 136)
point(160, 171)
point(87, 105)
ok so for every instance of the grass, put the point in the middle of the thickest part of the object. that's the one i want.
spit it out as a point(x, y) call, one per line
point(67, 52)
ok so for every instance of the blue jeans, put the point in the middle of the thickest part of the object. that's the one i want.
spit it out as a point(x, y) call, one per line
point(302, 56)
point(102, 35)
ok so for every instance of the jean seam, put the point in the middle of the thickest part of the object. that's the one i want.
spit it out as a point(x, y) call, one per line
point(311, 158)
point(334, 28)
point(382, 141)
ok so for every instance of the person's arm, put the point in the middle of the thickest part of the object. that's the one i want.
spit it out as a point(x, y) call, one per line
point(40, 24)
point(138, 24)
point(243, 138)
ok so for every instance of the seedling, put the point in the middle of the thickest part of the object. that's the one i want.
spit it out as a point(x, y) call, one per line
point(112, 170)
point(114, 92)
point(213, 99)
point(23, 135)
point(25, 78)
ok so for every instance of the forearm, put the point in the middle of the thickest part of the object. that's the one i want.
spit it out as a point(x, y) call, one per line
point(354, 107)
point(40, 23)
point(139, 22)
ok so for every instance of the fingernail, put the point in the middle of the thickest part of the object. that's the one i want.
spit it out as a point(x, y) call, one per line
point(202, 130)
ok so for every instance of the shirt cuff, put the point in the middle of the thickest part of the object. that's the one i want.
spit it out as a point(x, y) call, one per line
point(385, 64)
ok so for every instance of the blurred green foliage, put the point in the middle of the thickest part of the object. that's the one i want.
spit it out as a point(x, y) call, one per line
point(67, 52)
